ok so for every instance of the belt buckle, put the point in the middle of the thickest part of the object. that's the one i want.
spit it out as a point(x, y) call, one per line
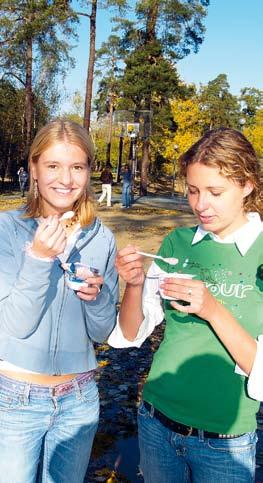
point(189, 431)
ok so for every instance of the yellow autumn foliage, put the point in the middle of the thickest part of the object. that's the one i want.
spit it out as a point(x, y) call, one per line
point(189, 119)
point(254, 133)
point(10, 204)
point(103, 363)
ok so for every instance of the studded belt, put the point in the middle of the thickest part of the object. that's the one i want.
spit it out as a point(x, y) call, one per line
point(184, 429)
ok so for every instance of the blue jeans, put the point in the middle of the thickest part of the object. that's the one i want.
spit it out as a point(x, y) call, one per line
point(46, 433)
point(22, 185)
point(126, 195)
point(168, 457)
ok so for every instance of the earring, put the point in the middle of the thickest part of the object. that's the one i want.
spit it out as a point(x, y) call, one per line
point(35, 189)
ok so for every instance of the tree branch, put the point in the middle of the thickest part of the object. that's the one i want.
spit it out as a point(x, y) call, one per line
point(14, 75)
point(6, 41)
point(83, 14)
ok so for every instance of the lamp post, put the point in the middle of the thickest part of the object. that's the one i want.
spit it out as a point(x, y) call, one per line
point(174, 169)
point(118, 172)
point(242, 122)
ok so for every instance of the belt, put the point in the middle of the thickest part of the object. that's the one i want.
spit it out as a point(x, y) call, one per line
point(183, 429)
point(37, 390)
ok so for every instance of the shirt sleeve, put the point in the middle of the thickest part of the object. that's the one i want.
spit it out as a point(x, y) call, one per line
point(255, 380)
point(152, 310)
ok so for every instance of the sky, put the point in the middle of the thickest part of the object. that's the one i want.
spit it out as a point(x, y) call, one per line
point(233, 45)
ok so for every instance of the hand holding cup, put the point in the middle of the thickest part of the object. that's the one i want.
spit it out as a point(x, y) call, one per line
point(83, 279)
point(188, 295)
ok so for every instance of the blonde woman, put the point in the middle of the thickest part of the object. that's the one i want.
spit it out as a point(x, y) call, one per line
point(49, 406)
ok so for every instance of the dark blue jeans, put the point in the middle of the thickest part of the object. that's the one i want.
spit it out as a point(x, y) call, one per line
point(22, 185)
point(126, 195)
point(168, 457)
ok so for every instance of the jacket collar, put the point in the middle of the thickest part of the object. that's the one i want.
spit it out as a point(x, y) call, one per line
point(28, 224)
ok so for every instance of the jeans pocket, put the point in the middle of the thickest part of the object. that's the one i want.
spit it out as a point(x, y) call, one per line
point(235, 445)
point(8, 402)
point(142, 411)
point(90, 393)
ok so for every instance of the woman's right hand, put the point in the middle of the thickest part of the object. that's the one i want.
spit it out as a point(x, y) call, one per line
point(129, 265)
point(50, 238)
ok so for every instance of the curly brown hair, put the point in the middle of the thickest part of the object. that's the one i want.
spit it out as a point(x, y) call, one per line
point(231, 152)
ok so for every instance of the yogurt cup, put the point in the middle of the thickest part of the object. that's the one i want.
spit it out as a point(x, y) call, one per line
point(162, 276)
point(76, 274)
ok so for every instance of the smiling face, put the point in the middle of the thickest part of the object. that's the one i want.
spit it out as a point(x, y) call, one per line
point(216, 200)
point(62, 175)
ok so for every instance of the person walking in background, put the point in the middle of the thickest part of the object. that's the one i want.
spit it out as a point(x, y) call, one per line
point(196, 422)
point(97, 165)
point(22, 178)
point(49, 404)
point(126, 186)
point(107, 179)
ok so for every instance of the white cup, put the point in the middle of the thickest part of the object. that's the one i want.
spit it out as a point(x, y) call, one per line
point(76, 279)
point(162, 276)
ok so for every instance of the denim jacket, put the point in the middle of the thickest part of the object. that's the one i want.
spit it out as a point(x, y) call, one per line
point(44, 326)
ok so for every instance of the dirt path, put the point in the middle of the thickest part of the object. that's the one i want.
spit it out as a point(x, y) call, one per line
point(143, 226)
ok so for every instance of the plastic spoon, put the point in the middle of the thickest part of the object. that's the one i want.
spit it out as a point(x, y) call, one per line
point(170, 260)
point(67, 215)
point(69, 268)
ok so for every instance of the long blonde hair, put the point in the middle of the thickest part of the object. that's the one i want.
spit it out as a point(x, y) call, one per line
point(52, 133)
point(231, 152)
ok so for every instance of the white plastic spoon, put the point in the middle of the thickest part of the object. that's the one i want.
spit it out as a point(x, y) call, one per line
point(67, 215)
point(170, 260)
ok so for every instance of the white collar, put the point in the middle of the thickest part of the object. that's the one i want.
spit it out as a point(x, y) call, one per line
point(244, 237)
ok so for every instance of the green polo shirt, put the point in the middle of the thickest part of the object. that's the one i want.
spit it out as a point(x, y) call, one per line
point(192, 378)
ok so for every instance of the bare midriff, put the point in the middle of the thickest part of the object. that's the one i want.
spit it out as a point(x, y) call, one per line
point(42, 379)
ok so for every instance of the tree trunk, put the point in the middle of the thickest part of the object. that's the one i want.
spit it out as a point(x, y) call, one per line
point(108, 147)
point(145, 166)
point(152, 20)
point(150, 37)
point(28, 97)
point(90, 73)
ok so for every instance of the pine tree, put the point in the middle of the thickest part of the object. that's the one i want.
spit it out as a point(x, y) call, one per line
point(33, 46)
point(221, 107)
point(252, 100)
point(164, 32)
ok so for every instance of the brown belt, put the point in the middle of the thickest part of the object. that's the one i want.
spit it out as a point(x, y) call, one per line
point(183, 428)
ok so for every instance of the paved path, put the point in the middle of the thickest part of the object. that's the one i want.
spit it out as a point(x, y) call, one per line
point(177, 202)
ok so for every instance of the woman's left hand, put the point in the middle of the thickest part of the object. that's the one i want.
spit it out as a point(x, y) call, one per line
point(90, 291)
point(201, 301)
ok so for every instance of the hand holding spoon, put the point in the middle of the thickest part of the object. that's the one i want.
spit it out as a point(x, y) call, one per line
point(169, 260)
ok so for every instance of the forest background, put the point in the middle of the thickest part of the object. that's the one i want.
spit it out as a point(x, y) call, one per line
point(141, 111)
